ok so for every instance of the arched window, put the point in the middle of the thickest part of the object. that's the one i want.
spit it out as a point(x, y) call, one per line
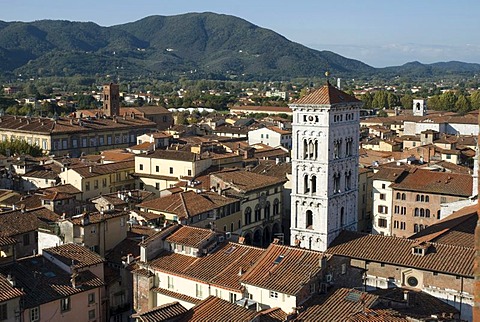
point(342, 217)
point(422, 198)
point(305, 184)
point(415, 228)
point(314, 184)
point(316, 150)
point(427, 199)
point(421, 227)
point(275, 207)
point(418, 198)
point(305, 149)
point(258, 213)
point(427, 213)
point(416, 213)
point(398, 195)
point(248, 216)
point(348, 180)
point(309, 219)
point(422, 212)
point(267, 210)
point(404, 196)
point(310, 149)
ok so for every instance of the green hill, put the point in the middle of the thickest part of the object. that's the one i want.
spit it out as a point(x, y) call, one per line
point(202, 45)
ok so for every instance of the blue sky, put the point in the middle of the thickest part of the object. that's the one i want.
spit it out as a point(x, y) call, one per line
point(377, 32)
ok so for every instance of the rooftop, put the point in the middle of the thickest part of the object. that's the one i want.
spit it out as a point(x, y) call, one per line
point(326, 95)
point(74, 255)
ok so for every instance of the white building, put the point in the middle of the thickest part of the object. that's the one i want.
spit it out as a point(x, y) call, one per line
point(271, 136)
point(325, 132)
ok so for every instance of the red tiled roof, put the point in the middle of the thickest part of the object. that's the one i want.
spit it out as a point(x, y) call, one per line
point(75, 255)
point(284, 269)
point(216, 309)
point(68, 125)
point(326, 95)
point(448, 259)
point(377, 315)
point(161, 313)
point(101, 169)
point(247, 181)
point(187, 204)
point(7, 291)
point(444, 183)
point(179, 296)
point(17, 222)
point(457, 229)
point(221, 267)
point(337, 305)
point(43, 281)
point(191, 236)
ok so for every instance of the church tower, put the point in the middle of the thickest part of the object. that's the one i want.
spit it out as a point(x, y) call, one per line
point(325, 133)
point(111, 100)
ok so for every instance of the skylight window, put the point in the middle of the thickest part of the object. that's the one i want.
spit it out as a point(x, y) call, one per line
point(279, 259)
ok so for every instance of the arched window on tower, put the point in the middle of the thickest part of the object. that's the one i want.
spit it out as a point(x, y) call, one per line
point(336, 149)
point(314, 184)
point(316, 150)
point(336, 183)
point(305, 149)
point(306, 188)
point(309, 220)
point(310, 149)
point(404, 196)
point(342, 217)
point(348, 180)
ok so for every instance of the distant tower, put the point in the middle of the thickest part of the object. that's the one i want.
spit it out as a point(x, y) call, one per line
point(325, 132)
point(419, 107)
point(111, 99)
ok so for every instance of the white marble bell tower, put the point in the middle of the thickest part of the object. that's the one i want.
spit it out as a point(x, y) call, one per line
point(325, 133)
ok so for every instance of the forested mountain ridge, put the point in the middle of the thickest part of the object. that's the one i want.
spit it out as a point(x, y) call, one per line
point(201, 45)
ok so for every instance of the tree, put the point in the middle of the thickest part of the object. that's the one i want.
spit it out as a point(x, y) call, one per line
point(475, 100)
point(407, 101)
point(392, 100)
point(380, 100)
point(433, 103)
point(367, 99)
point(19, 147)
point(462, 105)
point(447, 101)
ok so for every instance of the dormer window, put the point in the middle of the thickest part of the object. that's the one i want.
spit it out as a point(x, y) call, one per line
point(420, 249)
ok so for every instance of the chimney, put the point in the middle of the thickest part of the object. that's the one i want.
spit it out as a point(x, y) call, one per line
point(409, 298)
point(11, 280)
point(240, 271)
point(75, 281)
point(90, 169)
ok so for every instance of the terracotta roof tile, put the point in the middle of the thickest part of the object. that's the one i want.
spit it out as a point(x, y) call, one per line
point(336, 305)
point(68, 125)
point(436, 182)
point(191, 236)
point(377, 315)
point(44, 282)
point(422, 305)
point(220, 268)
point(187, 204)
point(101, 169)
point(75, 255)
point(284, 269)
point(448, 259)
point(326, 95)
point(247, 181)
point(164, 312)
point(7, 290)
point(216, 309)
point(18, 222)
point(457, 229)
point(179, 296)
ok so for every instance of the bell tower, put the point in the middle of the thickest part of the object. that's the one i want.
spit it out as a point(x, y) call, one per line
point(325, 133)
point(111, 99)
